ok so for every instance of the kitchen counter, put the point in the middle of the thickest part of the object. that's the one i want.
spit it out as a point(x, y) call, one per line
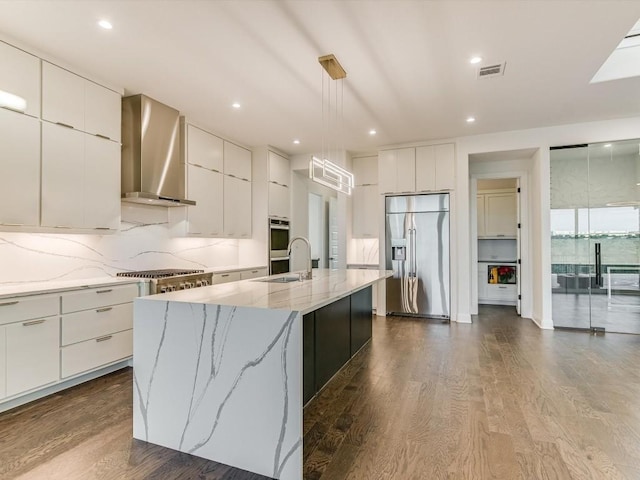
point(35, 288)
point(326, 287)
point(218, 370)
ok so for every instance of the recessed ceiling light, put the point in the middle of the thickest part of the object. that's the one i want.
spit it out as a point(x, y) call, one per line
point(296, 142)
point(106, 24)
point(235, 105)
point(607, 145)
point(475, 60)
point(471, 119)
point(372, 132)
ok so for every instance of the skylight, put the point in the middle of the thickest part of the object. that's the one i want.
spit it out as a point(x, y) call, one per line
point(624, 61)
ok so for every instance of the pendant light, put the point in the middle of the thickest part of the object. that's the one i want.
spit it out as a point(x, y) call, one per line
point(325, 170)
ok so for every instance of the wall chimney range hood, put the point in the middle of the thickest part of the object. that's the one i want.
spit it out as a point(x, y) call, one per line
point(151, 170)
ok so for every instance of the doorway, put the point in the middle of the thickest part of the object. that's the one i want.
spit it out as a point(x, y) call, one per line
point(595, 236)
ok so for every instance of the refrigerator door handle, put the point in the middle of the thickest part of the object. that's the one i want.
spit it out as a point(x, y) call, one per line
point(414, 253)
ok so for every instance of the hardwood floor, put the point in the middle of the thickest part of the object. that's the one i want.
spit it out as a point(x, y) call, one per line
point(499, 399)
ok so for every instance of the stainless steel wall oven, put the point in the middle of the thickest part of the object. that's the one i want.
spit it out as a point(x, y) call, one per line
point(278, 244)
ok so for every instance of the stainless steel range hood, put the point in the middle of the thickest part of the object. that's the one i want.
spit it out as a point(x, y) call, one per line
point(151, 170)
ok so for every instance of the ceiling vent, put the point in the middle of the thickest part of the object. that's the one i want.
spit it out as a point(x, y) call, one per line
point(494, 70)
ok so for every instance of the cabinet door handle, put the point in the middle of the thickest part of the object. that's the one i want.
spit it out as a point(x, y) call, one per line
point(33, 322)
point(502, 287)
point(106, 309)
point(231, 175)
point(6, 304)
point(104, 339)
point(225, 275)
point(65, 125)
point(254, 271)
point(99, 135)
point(105, 291)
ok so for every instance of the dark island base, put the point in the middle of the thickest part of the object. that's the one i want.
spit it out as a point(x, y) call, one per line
point(331, 336)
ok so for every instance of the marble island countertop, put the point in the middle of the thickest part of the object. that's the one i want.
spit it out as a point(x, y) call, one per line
point(326, 287)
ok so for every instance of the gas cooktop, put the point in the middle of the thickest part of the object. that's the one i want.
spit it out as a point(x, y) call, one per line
point(163, 273)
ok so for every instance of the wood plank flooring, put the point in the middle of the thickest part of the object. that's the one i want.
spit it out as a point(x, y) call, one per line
point(499, 399)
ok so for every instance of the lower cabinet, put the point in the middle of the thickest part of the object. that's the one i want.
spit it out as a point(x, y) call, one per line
point(360, 319)
point(3, 362)
point(333, 339)
point(308, 357)
point(255, 273)
point(331, 335)
point(45, 339)
point(32, 354)
point(90, 354)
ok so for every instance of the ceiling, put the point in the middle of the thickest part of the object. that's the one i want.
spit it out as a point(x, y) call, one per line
point(407, 62)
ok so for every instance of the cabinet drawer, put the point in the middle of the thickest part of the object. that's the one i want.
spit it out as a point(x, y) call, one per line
point(91, 354)
point(226, 277)
point(17, 309)
point(256, 273)
point(98, 297)
point(33, 349)
point(497, 291)
point(81, 326)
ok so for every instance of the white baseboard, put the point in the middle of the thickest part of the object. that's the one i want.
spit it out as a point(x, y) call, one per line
point(463, 318)
point(57, 387)
point(542, 324)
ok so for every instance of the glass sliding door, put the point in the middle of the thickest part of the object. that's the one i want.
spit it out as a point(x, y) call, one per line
point(595, 244)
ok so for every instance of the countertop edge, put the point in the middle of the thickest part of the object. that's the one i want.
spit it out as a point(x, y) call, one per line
point(26, 289)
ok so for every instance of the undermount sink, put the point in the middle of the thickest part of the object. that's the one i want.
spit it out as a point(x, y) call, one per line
point(279, 280)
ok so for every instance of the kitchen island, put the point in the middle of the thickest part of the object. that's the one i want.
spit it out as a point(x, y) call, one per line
point(223, 372)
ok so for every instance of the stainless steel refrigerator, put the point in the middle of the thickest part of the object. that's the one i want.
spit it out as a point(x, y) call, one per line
point(417, 250)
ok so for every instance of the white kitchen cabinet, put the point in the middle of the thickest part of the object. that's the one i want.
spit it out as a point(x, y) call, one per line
point(365, 170)
point(226, 277)
point(435, 168)
point(103, 109)
point(279, 201)
point(253, 273)
point(204, 149)
point(422, 169)
point(205, 187)
point(237, 161)
point(396, 170)
point(3, 362)
point(98, 297)
point(237, 207)
point(445, 166)
point(62, 96)
point(480, 215)
point(32, 354)
point(425, 169)
point(365, 211)
point(19, 169)
point(91, 354)
point(21, 76)
point(500, 215)
point(279, 171)
point(62, 177)
point(98, 322)
point(482, 281)
point(101, 183)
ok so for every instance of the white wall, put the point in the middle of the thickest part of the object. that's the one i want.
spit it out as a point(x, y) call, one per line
point(541, 139)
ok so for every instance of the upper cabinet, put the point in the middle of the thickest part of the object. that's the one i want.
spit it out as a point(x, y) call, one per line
point(279, 171)
point(365, 170)
point(497, 214)
point(237, 161)
point(203, 149)
point(422, 169)
point(72, 101)
point(365, 200)
point(102, 111)
point(19, 169)
point(219, 180)
point(21, 77)
point(279, 175)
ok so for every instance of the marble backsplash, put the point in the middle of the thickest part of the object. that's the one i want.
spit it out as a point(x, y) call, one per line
point(363, 251)
point(148, 239)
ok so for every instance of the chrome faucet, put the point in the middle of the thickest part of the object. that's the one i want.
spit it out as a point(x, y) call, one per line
point(305, 240)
